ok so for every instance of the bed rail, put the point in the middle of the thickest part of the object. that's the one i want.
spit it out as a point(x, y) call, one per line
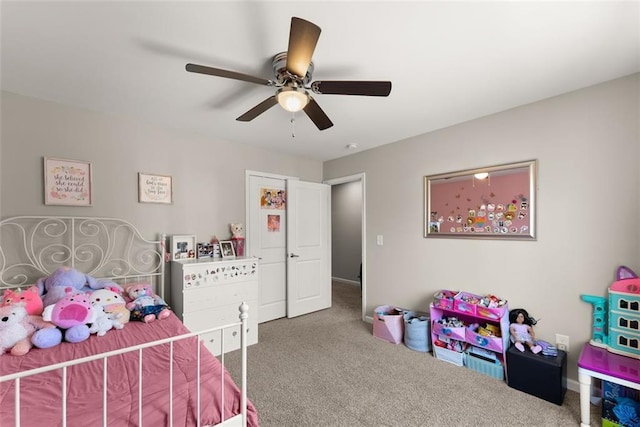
point(243, 324)
point(32, 247)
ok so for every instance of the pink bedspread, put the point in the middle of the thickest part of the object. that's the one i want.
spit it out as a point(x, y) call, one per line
point(41, 401)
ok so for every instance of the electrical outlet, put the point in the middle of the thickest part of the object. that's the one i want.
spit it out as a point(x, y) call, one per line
point(562, 342)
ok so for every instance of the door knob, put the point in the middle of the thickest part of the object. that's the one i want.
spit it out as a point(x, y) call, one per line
point(293, 255)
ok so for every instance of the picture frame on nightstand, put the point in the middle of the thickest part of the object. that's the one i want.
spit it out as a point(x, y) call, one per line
point(205, 250)
point(183, 247)
point(227, 250)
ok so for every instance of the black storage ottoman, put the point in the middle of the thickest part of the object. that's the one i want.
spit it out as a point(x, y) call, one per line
point(541, 376)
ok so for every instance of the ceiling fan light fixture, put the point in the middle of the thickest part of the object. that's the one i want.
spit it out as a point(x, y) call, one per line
point(481, 175)
point(292, 99)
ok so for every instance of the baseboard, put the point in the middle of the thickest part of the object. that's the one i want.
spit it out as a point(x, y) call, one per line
point(347, 281)
point(573, 385)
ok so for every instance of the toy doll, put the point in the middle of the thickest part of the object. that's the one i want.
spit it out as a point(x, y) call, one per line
point(521, 330)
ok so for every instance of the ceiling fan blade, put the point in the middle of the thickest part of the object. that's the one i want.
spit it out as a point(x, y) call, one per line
point(365, 88)
point(201, 69)
point(317, 116)
point(303, 38)
point(258, 109)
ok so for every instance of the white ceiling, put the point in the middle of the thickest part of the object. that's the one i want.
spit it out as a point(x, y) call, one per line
point(449, 62)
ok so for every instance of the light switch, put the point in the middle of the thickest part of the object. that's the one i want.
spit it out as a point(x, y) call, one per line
point(379, 240)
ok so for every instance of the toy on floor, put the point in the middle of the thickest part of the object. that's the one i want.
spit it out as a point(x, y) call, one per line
point(521, 330)
point(617, 327)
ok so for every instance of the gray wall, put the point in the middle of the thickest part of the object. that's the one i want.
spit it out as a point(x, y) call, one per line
point(587, 144)
point(346, 230)
point(208, 176)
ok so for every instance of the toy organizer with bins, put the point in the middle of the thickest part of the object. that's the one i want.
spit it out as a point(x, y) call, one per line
point(483, 352)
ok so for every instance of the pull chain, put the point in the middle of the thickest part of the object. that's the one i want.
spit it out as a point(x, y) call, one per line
point(293, 125)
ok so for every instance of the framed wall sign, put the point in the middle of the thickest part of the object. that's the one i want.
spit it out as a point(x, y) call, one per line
point(67, 182)
point(155, 188)
point(183, 247)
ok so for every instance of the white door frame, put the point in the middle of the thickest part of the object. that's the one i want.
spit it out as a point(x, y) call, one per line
point(353, 178)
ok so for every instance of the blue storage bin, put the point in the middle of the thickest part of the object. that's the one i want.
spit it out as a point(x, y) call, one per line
point(417, 334)
point(491, 368)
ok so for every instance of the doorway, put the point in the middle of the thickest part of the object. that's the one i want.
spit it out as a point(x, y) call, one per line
point(348, 211)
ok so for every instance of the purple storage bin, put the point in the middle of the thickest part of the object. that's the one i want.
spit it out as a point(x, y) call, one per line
point(388, 324)
point(449, 332)
point(490, 343)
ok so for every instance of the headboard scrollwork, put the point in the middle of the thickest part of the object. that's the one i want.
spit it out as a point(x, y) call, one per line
point(32, 247)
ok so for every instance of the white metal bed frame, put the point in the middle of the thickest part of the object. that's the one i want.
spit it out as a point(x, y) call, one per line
point(113, 249)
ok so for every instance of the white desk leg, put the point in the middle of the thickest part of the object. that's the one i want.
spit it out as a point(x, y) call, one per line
point(585, 398)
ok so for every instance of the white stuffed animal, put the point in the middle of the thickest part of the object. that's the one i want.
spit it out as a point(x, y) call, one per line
point(103, 323)
point(17, 327)
point(237, 231)
point(113, 305)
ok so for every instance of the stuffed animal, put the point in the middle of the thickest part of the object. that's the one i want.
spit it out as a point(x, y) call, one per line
point(71, 314)
point(237, 231)
point(53, 288)
point(17, 328)
point(237, 238)
point(145, 305)
point(113, 304)
point(30, 297)
point(103, 322)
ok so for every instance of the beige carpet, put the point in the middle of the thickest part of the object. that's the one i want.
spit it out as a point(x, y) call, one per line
point(327, 369)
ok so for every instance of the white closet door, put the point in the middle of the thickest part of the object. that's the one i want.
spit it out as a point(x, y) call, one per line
point(268, 242)
point(309, 247)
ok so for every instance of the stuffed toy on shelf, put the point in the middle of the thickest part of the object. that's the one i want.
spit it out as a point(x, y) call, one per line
point(521, 330)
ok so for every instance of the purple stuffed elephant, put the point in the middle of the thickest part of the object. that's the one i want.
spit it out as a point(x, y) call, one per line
point(54, 288)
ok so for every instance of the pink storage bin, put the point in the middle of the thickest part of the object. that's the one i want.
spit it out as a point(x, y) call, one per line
point(491, 313)
point(388, 324)
point(462, 306)
point(490, 343)
point(449, 332)
point(444, 299)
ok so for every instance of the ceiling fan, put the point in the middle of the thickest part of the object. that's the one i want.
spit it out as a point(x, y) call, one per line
point(293, 70)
